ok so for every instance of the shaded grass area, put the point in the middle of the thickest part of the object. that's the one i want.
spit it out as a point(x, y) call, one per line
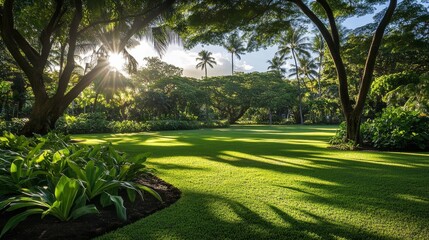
point(278, 182)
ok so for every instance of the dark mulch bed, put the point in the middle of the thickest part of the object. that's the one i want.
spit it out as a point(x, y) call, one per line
point(91, 226)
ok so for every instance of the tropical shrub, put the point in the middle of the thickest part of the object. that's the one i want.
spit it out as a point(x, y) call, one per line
point(13, 126)
point(66, 202)
point(161, 125)
point(128, 126)
point(97, 123)
point(83, 123)
point(50, 176)
point(340, 135)
point(215, 124)
point(395, 129)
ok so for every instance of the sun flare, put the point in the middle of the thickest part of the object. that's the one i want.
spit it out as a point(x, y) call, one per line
point(116, 61)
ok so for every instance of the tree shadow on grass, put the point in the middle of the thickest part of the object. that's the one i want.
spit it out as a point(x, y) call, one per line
point(394, 182)
point(356, 185)
point(238, 222)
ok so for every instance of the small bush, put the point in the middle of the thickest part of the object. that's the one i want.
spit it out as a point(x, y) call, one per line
point(399, 129)
point(288, 121)
point(161, 125)
point(128, 126)
point(83, 123)
point(13, 126)
point(216, 124)
point(340, 135)
point(395, 129)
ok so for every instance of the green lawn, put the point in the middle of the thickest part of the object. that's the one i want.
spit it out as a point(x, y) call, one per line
point(278, 182)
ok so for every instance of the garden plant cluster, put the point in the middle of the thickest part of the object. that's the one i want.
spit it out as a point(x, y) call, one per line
point(50, 176)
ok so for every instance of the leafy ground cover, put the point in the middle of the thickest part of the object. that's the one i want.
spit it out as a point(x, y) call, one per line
point(50, 186)
point(278, 182)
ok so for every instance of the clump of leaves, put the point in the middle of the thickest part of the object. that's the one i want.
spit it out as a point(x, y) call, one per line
point(396, 128)
point(48, 175)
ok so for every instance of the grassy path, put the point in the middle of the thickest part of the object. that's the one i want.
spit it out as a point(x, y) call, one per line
point(279, 182)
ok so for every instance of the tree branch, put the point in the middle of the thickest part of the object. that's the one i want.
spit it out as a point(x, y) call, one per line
point(331, 19)
point(31, 53)
point(335, 53)
point(7, 30)
point(366, 80)
point(105, 21)
point(100, 68)
point(141, 22)
point(46, 34)
point(72, 39)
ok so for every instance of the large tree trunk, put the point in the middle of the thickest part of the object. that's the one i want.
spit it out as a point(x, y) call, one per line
point(232, 117)
point(43, 117)
point(351, 113)
point(353, 129)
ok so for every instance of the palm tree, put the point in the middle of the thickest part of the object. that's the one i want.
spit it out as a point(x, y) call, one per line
point(108, 85)
point(276, 64)
point(205, 58)
point(319, 48)
point(307, 69)
point(234, 45)
point(107, 44)
point(294, 43)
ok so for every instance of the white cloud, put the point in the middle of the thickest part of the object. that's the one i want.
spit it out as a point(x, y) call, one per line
point(242, 65)
point(186, 59)
point(143, 50)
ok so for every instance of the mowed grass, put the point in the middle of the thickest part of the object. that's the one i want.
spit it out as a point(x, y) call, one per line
point(278, 182)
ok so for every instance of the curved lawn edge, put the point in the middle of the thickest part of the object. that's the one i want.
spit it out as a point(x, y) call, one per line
point(91, 226)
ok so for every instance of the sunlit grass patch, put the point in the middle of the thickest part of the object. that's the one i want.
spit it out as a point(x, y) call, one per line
point(279, 182)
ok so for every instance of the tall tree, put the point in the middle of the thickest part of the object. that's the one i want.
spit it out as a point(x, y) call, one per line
point(307, 70)
point(205, 58)
point(352, 111)
point(234, 45)
point(277, 64)
point(61, 24)
point(295, 44)
point(318, 46)
point(155, 70)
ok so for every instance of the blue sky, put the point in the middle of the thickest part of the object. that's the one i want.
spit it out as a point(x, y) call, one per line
point(254, 61)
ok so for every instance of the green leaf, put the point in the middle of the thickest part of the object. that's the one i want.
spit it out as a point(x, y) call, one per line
point(65, 193)
point(35, 150)
point(41, 156)
point(6, 203)
point(140, 158)
point(115, 154)
point(16, 169)
point(131, 194)
point(121, 211)
point(58, 155)
point(150, 190)
point(22, 204)
point(88, 209)
point(105, 200)
point(94, 151)
point(15, 220)
point(76, 169)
